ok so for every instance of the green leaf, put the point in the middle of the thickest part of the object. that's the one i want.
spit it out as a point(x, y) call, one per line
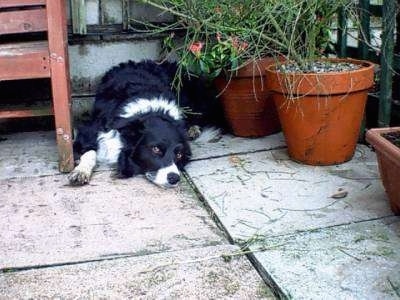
point(215, 73)
point(204, 67)
point(234, 63)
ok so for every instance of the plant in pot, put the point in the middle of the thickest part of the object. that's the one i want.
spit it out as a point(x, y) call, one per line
point(320, 100)
point(229, 43)
point(386, 142)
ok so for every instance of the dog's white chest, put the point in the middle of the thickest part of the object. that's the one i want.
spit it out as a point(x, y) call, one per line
point(109, 146)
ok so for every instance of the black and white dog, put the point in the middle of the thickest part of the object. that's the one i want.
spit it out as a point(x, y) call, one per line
point(136, 123)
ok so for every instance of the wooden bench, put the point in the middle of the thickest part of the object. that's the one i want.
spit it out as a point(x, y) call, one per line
point(47, 58)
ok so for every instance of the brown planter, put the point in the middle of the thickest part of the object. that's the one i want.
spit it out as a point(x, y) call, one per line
point(248, 105)
point(388, 156)
point(321, 113)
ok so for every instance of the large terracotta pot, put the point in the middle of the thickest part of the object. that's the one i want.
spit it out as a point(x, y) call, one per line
point(388, 156)
point(321, 114)
point(248, 106)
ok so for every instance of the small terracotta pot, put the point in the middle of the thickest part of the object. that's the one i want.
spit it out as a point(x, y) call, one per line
point(321, 114)
point(388, 156)
point(248, 105)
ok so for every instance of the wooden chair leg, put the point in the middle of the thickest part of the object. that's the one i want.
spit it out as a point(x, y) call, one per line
point(62, 115)
point(58, 46)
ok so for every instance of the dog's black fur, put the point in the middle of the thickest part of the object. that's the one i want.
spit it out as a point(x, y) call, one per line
point(142, 133)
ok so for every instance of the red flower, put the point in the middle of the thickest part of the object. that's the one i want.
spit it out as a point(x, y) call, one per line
point(219, 36)
point(196, 47)
point(238, 45)
point(235, 42)
point(243, 46)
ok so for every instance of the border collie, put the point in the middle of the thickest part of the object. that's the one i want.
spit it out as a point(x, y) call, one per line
point(136, 123)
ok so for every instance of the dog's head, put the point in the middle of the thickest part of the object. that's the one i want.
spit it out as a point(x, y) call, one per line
point(158, 147)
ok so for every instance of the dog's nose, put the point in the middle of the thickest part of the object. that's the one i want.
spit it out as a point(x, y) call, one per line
point(173, 178)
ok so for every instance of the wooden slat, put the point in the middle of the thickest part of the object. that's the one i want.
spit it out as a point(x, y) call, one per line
point(24, 61)
point(32, 20)
point(375, 10)
point(342, 33)
point(16, 3)
point(58, 46)
point(386, 76)
point(125, 15)
point(15, 112)
point(365, 32)
point(102, 11)
point(78, 15)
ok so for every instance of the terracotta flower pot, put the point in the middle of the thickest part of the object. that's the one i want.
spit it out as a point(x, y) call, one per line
point(388, 156)
point(248, 106)
point(321, 113)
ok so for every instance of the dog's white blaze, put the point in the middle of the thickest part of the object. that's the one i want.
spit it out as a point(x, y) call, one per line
point(109, 146)
point(162, 175)
point(143, 106)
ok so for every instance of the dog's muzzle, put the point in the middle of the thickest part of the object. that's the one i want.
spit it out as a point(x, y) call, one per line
point(167, 177)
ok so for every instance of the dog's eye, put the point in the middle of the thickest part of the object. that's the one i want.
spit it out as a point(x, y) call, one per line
point(179, 155)
point(156, 150)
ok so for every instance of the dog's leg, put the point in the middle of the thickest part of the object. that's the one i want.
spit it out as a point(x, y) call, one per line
point(83, 171)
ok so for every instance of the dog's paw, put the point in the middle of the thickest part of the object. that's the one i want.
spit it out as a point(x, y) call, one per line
point(118, 175)
point(194, 132)
point(79, 177)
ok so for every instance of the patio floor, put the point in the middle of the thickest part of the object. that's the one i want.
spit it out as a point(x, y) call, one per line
point(309, 232)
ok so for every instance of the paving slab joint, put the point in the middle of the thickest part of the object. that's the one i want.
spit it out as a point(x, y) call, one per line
point(238, 153)
point(276, 289)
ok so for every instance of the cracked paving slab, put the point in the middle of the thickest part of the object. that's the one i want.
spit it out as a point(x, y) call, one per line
point(313, 232)
point(187, 274)
point(267, 193)
point(45, 221)
point(357, 261)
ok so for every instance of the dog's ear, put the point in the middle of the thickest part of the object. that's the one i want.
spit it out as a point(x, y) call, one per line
point(120, 123)
point(131, 131)
point(126, 166)
point(182, 128)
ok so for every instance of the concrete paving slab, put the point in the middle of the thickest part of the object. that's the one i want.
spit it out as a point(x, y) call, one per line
point(189, 274)
point(45, 221)
point(267, 193)
point(230, 144)
point(28, 154)
point(357, 261)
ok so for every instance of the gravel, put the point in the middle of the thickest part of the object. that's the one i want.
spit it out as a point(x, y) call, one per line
point(320, 67)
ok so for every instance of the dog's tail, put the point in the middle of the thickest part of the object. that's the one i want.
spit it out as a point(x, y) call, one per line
point(209, 135)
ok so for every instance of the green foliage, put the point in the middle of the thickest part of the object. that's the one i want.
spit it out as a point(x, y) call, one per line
point(227, 30)
point(212, 58)
point(222, 35)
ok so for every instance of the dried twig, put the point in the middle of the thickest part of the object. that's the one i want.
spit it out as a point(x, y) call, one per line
point(348, 254)
point(311, 209)
point(395, 288)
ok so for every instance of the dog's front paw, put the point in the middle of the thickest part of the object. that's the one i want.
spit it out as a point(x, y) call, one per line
point(119, 175)
point(79, 177)
point(194, 132)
